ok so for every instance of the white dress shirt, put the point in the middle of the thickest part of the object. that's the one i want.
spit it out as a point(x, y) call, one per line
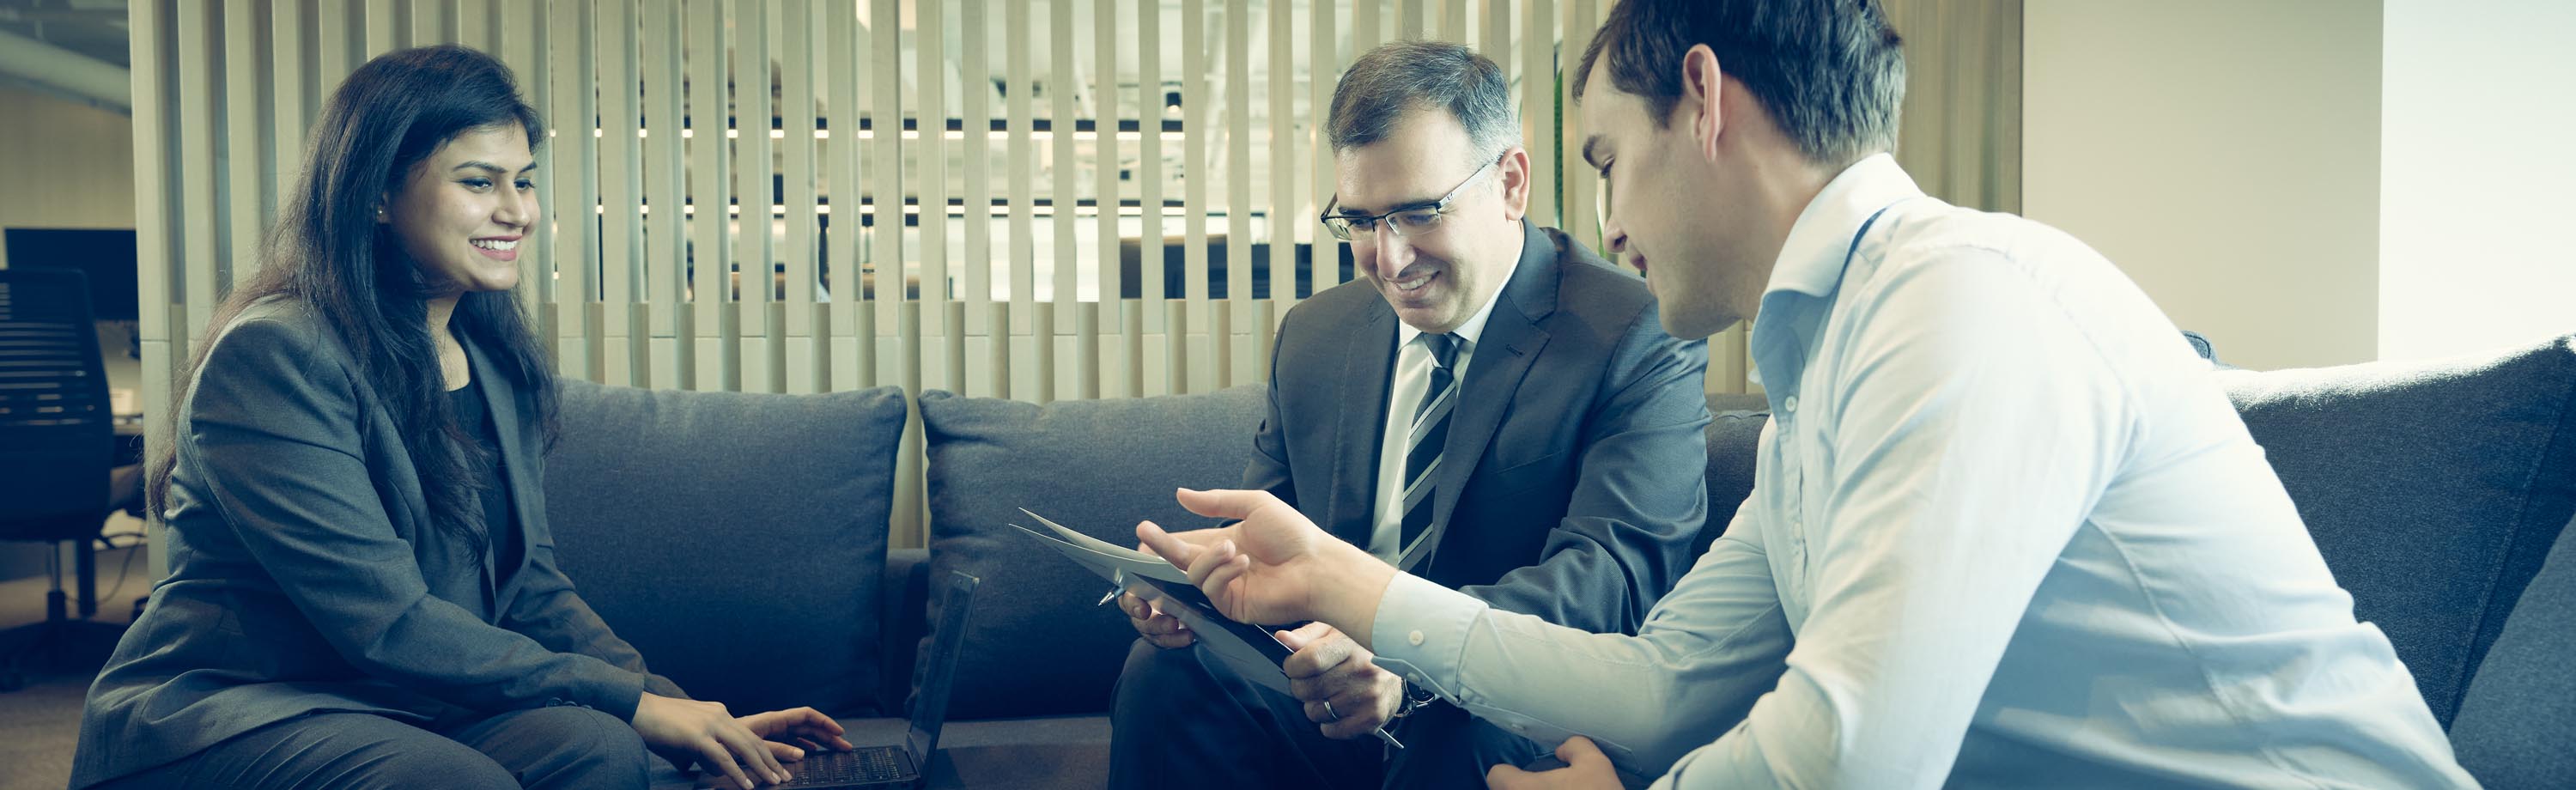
point(2005, 531)
point(1403, 396)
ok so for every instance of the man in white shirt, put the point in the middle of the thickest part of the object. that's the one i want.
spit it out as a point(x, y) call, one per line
point(2006, 531)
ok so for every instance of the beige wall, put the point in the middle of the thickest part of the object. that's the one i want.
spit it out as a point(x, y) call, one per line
point(2476, 180)
point(65, 165)
point(2225, 154)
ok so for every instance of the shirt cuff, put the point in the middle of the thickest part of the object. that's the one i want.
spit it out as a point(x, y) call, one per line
point(1421, 633)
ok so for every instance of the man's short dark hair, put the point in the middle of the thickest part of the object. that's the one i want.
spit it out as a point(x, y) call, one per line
point(1831, 72)
point(1394, 79)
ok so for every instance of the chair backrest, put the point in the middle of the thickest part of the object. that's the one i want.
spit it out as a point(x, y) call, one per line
point(56, 435)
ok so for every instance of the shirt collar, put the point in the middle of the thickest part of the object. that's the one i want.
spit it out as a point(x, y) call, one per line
point(1811, 261)
point(1475, 326)
point(1811, 266)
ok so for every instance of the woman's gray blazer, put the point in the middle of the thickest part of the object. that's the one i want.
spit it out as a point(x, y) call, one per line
point(306, 574)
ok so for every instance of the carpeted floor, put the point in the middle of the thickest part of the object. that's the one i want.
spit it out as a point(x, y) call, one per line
point(39, 723)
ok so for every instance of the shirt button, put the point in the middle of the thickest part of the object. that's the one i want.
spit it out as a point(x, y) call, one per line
point(1790, 404)
point(1415, 638)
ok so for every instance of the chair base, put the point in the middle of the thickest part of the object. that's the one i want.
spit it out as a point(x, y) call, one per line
point(55, 647)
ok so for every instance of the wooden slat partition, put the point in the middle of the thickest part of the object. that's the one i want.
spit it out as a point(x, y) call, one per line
point(756, 194)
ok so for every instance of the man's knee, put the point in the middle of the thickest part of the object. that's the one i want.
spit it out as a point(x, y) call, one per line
point(1158, 679)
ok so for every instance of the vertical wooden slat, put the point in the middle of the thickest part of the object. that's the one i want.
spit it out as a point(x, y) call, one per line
point(1283, 213)
point(1238, 185)
point(1453, 22)
point(1196, 165)
point(1412, 15)
point(292, 108)
point(156, 217)
point(1176, 346)
point(840, 26)
point(1323, 72)
point(710, 193)
point(574, 114)
point(885, 179)
point(1495, 40)
point(1023, 243)
point(196, 32)
point(332, 49)
point(428, 23)
point(752, 191)
point(156, 202)
point(522, 35)
point(381, 30)
point(1109, 150)
point(246, 171)
point(665, 250)
point(1061, 84)
point(474, 24)
point(1580, 20)
point(1154, 283)
point(931, 68)
point(1538, 112)
point(975, 63)
point(621, 187)
point(796, 168)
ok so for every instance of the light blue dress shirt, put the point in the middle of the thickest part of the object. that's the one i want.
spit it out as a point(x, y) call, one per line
point(2005, 531)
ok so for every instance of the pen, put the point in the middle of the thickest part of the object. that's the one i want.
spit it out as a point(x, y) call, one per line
point(1390, 740)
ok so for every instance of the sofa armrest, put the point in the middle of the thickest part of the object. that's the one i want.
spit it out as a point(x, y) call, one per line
point(906, 619)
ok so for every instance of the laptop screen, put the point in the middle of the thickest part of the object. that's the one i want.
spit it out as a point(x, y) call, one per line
point(930, 708)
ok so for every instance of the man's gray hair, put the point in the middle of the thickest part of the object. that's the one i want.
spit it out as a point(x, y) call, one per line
point(1393, 79)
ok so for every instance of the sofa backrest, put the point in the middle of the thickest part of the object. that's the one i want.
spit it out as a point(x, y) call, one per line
point(1038, 644)
point(2434, 489)
point(735, 539)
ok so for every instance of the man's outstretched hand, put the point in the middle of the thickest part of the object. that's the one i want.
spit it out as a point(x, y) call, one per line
point(1274, 565)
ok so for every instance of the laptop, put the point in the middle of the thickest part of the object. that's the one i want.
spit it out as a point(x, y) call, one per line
point(902, 766)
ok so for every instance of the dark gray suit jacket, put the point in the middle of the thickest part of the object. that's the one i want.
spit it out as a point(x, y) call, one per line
point(1574, 476)
point(306, 575)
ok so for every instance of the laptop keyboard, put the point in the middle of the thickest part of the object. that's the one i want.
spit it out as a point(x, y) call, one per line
point(823, 769)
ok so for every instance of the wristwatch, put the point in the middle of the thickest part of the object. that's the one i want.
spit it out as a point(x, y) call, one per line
point(1415, 698)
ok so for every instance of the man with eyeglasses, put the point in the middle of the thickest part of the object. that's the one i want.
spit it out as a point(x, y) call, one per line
point(1487, 404)
point(2005, 529)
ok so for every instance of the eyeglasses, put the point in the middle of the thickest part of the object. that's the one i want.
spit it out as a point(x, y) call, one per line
point(1408, 221)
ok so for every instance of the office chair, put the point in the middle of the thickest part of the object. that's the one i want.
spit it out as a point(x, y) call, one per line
point(57, 442)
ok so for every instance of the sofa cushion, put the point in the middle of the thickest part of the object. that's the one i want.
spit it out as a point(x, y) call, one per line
point(736, 539)
point(1038, 645)
point(1733, 435)
point(2520, 712)
point(2434, 489)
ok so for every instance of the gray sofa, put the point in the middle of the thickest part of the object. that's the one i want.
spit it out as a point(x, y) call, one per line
point(739, 541)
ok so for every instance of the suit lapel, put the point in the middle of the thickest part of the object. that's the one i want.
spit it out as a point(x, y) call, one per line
point(1363, 386)
point(502, 398)
point(1512, 340)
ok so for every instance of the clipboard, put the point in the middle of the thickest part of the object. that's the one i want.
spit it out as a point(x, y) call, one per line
point(1251, 650)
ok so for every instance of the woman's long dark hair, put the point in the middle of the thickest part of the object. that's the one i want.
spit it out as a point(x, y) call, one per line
point(329, 253)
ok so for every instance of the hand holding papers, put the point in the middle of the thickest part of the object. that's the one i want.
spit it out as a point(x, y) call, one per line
point(1250, 650)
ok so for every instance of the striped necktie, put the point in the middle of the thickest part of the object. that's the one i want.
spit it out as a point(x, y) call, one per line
point(1430, 432)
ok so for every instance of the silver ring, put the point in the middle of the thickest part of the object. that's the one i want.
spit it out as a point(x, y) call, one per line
point(1329, 715)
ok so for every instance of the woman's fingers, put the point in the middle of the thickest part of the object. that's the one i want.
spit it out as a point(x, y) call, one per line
point(752, 752)
point(713, 756)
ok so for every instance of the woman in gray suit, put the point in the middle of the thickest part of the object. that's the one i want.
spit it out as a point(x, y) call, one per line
point(362, 589)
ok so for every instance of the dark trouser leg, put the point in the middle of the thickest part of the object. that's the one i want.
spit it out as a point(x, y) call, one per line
point(1181, 719)
point(1446, 748)
point(560, 748)
point(327, 751)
